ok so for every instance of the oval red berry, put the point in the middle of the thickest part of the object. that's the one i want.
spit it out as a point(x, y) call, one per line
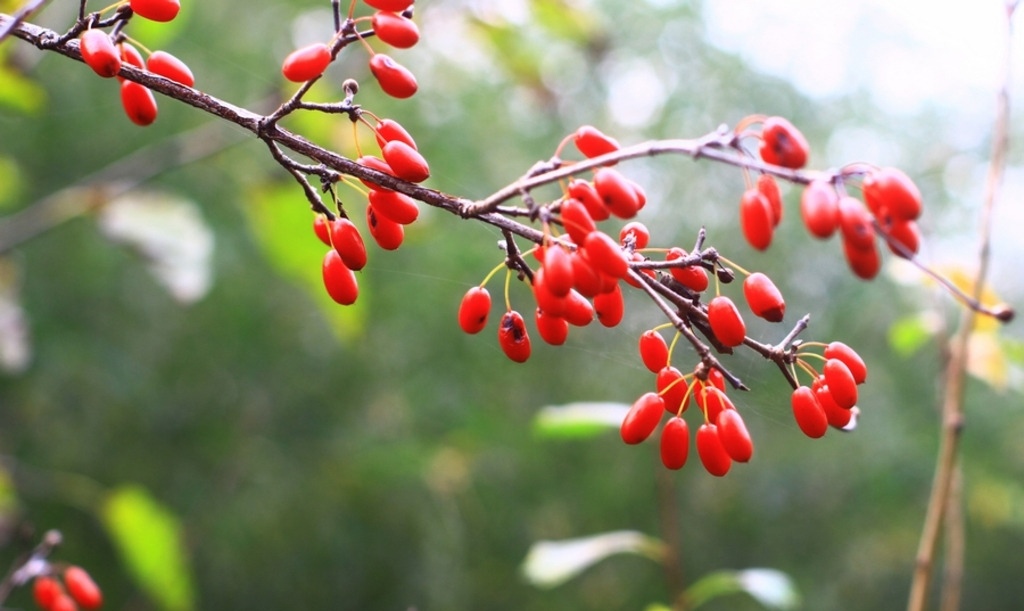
point(642, 418)
point(395, 30)
point(474, 309)
point(726, 322)
point(764, 298)
point(82, 588)
point(139, 103)
point(712, 453)
point(99, 53)
point(169, 66)
point(395, 79)
point(306, 63)
point(339, 280)
point(513, 338)
point(156, 10)
point(675, 443)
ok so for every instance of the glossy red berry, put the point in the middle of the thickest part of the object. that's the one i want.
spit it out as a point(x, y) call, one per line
point(474, 309)
point(617, 193)
point(855, 223)
point(169, 66)
point(389, 5)
point(63, 602)
point(82, 588)
point(864, 262)
point(339, 280)
point(653, 350)
point(711, 450)
point(726, 322)
point(769, 187)
point(783, 144)
point(606, 255)
point(819, 208)
point(610, 307)
point(405, 161)
point(693, 277)
point(756, 219)
point(552, 329)
point(131, 56)
point(905, 233)
point(841, 383)
point(395, 79)
point(578, 310)
point(808, 412)
point(46, 590)
point(642, 418)
point(385, 232)
point(585, 279)
point(733, 433)
point(139, 103)
point(156, 10)
point(558, 270)
point(837, 417)
point(577, 221)
point(513, 338)
point(637, 232)
point(395, 30)
point(374, 163)
point(712, 401)
point(555, 305)
point(892, 190)
point(585, 192)
point(345, 239)
point(306, 63)
point(394, 206)
point(592, 142)
point(99, 53)
point(672, 387)
point(389, 129)
point(675, 443)
point(764, 298)
point(849, 356)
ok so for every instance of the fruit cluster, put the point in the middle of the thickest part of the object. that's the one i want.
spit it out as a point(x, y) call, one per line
point(107, 52)
point(75, 591)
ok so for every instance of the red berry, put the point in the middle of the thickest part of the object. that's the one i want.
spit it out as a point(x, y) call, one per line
point(653, 350)
point(558, 270)
point(711, 450)
point(841, 383)
point(808, 412)
point(610, 307)
point(552, 329)
point(394, 78)
point(156, 10)
point(756, 219)
point(849, 357)
point(905, 233)
point(617, 193)
point(639, 232)
point(578, 311)
point(606, 255)
point(735, 438)
point(306, 63)
point(593, 143)
point(890, 189)
point(389, 129)
point(836, 416)
point(513, 338)
point(549, 302)
point(396, 6)
point(783, 144)
point(764, 298)
point(374, 163)
point(768, 187)
point(385, 232)
point(819, 207)
point(394, 206)
point(339, 280)
point(672, 387)
point(138, 102)
point(346, 240)
point(577, 221)
point(855, 223)
point(82, 588)
point(643, 417)
point(169, 66)
point(131, 56)
point(726, 322)
point(585, 279)
point(716, 379)
point(63, 602)
point(588, 196)
point(864, 262)
point(693, 277)
point(473, 311)
point(395, 30)
point(405, 161)
point(46, 590)
point(99, 53)
point(675, 443)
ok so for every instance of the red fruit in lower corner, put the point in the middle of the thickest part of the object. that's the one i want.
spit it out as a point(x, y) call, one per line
point(552, 329)
point(849, 356)
point(339, 280)
point(46, 590)
point(99, 53)
point(711, 451)
point(395, 79)
point(819, 208)
point(726, 322)
point(63, 602)
point(474, 309)
point(642, 418)
point(513, 338)
point(139, 103)
point(82, 588)
point(405, 161)
point(783, 144)
point(307, 63)
point(764, 298)
point(808, 412)
point(675, 443)
point(592, 142)
point(395, 30)
point(169, 66)
point(735, 438)
point(756, 219)
point(156, 10)
point(653, 350)
point(345, 239)
point(385, 232)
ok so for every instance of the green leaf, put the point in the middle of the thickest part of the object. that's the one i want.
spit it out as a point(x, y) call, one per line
point(10, 181)
point(577, 420)
point(771, 588)
point(908, 334)
point(19, 93)
point(148, 538)
point(552, 563)
point(566, 20)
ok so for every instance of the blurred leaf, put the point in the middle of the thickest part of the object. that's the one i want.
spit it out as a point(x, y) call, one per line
point(564, 20)
point(20, 93)
point(169, 232)
point(149, 540)
point(657, 607)
point(987, 361)
point(910, 333)
point(771, 588)
point(10, 181)
point(552, 563)
point(15, 344)
point(578, 419)
point(285, 232)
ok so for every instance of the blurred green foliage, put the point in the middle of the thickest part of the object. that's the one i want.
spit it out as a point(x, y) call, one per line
point(377, 458)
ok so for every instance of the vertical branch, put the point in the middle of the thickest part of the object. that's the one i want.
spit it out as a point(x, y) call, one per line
point(955, 376)
point(668, 516)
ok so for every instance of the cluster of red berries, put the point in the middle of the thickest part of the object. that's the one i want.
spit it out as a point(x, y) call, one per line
point(105, 56)
point(78, 591)
point(391, 24)
point(387, 211)
point(893, 201)
point(831, 399)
